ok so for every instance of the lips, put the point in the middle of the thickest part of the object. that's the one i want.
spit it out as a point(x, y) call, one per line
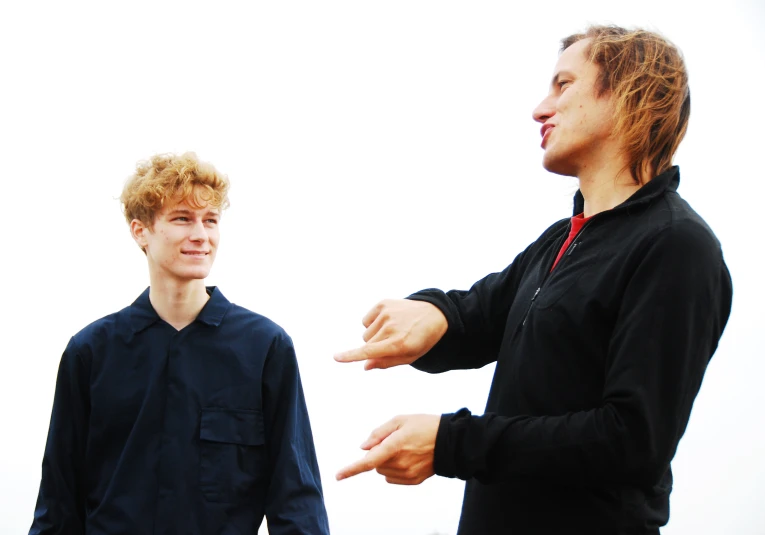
point(545, 131)
point(195, 253)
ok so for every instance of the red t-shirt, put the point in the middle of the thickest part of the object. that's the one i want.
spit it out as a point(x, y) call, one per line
point(577, 222)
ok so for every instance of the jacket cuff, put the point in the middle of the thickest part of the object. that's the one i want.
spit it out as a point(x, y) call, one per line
point(438, 299)
point(444, 453)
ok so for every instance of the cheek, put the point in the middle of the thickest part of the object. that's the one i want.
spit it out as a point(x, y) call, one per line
point(166, 242)
point(171, 237)
point(568, 99)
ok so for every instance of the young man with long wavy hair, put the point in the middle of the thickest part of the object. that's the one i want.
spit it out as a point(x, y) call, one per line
point(601, 329)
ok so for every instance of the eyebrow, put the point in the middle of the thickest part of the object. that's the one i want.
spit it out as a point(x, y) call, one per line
point(183, 211)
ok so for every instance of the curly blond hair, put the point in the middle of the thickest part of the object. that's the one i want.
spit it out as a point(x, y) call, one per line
point(646, 76)
point(167, 178)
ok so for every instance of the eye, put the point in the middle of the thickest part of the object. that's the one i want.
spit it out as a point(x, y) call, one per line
point(181, 218)
point(563, 84)
point(213, 221)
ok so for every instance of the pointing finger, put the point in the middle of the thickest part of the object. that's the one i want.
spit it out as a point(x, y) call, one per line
point(376, 456)
point(384, 363)
point(370, 350)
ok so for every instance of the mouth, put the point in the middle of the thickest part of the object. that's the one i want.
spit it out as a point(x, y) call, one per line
point(545, 131)
point(196, 254)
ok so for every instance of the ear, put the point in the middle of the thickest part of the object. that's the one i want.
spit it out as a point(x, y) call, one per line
point(139, 232)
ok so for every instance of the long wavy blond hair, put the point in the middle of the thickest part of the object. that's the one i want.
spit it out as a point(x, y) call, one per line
point(172, 178)
point(646, 76)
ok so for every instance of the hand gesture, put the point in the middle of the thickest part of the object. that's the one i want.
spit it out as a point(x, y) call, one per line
point(399, 331)
point(401, 450)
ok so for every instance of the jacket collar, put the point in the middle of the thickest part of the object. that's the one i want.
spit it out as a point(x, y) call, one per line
point(669, 180)
point(142, 314)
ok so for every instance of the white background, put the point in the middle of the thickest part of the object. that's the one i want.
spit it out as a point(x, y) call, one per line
point(375, 148)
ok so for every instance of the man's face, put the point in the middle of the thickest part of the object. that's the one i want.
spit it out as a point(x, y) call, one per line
point(577, 124)
point(182, 242)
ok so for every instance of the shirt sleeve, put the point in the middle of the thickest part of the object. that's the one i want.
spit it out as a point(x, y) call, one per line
point(294, 503)
point(476, 320)
point(60, 505)
point(671, 318)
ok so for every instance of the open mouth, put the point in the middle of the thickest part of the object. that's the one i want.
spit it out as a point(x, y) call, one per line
point(546, 129)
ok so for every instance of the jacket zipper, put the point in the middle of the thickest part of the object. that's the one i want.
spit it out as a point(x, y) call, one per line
point(569, 250)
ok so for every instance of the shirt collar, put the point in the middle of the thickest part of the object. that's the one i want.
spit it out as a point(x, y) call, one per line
point(669, 180)
point(215, 308)
point(142, 314)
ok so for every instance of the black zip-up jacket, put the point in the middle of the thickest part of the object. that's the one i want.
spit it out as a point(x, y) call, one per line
point(598, 365)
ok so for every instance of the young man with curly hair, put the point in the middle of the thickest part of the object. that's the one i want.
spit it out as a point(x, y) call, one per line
point(182, 413)
point(601, 329)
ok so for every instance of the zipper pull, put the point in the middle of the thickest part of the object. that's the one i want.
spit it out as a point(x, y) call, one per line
point(530, 303)
point(572, 249)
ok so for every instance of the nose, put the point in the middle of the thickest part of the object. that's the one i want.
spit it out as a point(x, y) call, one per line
point(544, 111)
point(198, 232)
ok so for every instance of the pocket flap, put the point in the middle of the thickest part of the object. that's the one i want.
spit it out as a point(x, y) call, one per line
point(233, 426)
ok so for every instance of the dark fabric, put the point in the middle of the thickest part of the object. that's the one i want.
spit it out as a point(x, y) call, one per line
point(598, 365)
point(577, 224)
point(198, 431)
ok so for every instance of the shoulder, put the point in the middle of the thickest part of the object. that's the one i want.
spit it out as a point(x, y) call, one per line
point(680, 231)
point(255, 324)
point(100, 331)
point(258, 331)
point(683, 256)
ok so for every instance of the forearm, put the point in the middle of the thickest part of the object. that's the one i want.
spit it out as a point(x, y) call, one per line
point(60, 507)
point(458, 352)
point(57, 511)
point(475, 320)
point(294, 501)
point(589, 446)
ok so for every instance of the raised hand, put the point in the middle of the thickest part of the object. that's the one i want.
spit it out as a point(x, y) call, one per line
point(399, 331)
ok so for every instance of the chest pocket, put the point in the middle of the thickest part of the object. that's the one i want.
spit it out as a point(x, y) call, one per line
point(232, 457)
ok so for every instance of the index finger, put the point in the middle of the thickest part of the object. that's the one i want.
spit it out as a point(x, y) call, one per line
point(370, 350)
point(376, 456)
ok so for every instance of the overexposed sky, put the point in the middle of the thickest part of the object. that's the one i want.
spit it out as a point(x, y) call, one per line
point(374, 149)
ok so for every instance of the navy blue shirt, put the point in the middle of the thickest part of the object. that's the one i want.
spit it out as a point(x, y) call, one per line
point(198, 431)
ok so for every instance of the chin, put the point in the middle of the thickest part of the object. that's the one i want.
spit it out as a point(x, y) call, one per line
point(193, 274)
point(557, 165)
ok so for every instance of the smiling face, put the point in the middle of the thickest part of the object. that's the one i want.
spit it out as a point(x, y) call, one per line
point(182, 242)
point(577, 124)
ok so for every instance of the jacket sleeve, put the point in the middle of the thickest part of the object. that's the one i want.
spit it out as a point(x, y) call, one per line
point(60, 505)
point(673, 312)
point(294, 502)
point(476, 320)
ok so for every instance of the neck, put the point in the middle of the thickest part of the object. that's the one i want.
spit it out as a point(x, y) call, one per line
point(177, 302)
point(606, 186)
